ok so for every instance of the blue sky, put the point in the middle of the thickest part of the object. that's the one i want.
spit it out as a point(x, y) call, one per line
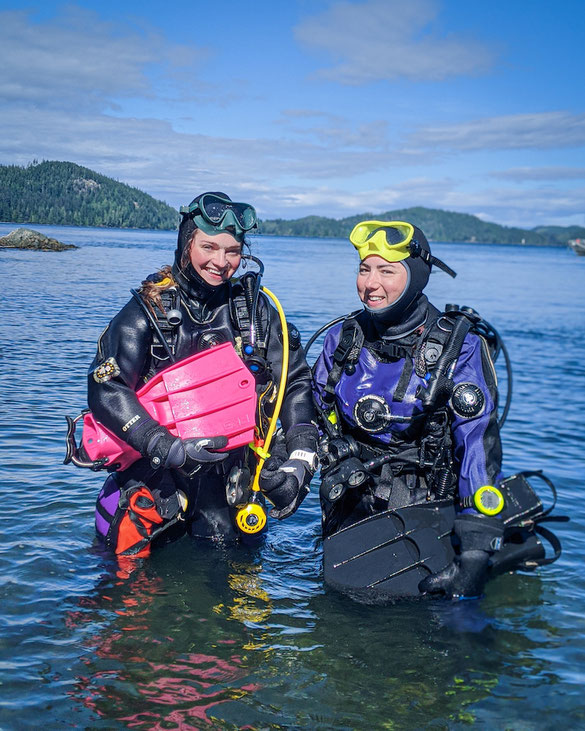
point(321, 107)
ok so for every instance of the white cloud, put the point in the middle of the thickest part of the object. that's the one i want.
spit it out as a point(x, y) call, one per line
point(389, 39)
point(61, 80)
point(286, 178)
point(523, 174)
point(335, 130)
point(151, 155)
point(78, 61)
point(510, 206)
point(544, 130)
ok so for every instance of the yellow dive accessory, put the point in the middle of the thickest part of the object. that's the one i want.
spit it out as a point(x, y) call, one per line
point(252, 517)
point(488, 500)
point(388, 239)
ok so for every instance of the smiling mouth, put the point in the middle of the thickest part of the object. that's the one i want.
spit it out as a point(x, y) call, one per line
point(219, 273)
point(374, 300)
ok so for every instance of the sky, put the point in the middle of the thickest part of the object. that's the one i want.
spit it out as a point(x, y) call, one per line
point(308, 108)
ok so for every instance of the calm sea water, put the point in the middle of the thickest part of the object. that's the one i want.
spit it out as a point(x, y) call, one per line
point(213, 638)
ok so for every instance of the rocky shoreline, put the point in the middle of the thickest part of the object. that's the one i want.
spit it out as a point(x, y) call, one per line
point(26, 238)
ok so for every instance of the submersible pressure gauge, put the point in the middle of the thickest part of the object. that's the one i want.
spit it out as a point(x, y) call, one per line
point(488, 500)
point(251, 518)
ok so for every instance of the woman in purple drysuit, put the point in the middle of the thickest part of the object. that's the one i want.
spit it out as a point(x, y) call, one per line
point(413, 394)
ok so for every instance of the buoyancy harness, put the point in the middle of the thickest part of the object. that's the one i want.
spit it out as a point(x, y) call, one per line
point(242, 488)
point(425, 447)
point(249, 341)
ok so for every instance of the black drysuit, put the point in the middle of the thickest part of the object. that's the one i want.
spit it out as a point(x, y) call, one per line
point(129, 339)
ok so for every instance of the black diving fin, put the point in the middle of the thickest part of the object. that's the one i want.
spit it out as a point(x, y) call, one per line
point(385, 556)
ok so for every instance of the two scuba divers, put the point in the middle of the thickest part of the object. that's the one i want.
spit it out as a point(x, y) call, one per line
point(220, 366)
point(411, 491)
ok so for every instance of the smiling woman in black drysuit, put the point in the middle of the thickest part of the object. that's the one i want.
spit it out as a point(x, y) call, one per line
point(408, 403)
point(179, 484)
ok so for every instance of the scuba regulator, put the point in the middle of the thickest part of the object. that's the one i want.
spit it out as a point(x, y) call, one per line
point(243, 491)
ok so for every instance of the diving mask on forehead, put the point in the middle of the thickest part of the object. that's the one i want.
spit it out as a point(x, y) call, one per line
point(214, 214)
point(393, 241)
point(388, 239)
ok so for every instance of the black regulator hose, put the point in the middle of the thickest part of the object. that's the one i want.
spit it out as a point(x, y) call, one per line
point(490, 333)
point(252, 292)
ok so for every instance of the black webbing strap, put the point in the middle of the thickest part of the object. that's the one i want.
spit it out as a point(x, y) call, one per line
point(155, 323)
point(348, 349)
point(404, 380)
point(242, 316)
point(549, 536)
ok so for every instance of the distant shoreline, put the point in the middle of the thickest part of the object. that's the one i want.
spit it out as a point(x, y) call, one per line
point(61, 193)
point(551, 244)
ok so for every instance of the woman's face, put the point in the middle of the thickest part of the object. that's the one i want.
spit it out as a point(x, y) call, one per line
point(380, 282)
point(215, 258)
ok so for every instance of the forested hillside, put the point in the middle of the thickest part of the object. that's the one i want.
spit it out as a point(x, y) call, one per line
point(62, 193)
point(438, 225)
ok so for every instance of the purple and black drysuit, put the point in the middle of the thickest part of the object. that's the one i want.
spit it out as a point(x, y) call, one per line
point(473, 441)
point(415, 396)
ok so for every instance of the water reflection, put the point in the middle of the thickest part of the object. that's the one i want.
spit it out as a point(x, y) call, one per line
point(166, 651)
point(212, 644)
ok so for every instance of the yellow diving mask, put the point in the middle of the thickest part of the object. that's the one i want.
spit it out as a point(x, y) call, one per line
point(388, 239)
point(393, 241)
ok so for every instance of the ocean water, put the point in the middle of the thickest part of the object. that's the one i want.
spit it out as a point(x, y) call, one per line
point(209, 637)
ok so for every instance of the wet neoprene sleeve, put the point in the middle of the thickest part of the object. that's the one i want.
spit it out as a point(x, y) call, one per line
point(114, 403)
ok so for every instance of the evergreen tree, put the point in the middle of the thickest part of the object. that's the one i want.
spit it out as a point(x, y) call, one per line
point(63, 193)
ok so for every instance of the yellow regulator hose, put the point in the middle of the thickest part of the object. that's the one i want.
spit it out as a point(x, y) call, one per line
point(252, 517)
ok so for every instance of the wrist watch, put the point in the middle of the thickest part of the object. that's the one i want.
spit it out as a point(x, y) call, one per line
point(309, 457)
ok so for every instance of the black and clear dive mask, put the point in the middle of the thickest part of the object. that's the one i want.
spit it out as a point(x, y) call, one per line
point(214, 214)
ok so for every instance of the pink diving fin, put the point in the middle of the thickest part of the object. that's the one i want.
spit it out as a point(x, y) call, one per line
point(210, 394)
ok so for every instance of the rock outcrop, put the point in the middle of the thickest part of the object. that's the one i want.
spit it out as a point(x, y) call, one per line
point(25, 238)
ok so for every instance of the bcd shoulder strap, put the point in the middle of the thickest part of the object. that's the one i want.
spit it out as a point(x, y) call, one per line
point(241, 301)
point(432, 344)
point(162, 348)
point(345, 356)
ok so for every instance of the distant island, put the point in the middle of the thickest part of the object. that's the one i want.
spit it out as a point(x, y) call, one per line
point(66, 194)
point(438, 225)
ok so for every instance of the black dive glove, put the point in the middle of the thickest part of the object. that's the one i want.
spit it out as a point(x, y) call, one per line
point(287, 473)
point(465, 577)
point(170, 452)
